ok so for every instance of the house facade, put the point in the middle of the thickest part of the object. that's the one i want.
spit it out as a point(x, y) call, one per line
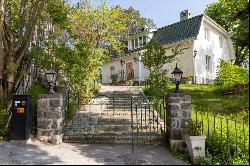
point(205, 41)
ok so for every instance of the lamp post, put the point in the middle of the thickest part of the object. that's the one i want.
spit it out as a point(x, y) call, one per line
point(51, 79)
point(194, 80)
point(177, 74)
point(195, 53)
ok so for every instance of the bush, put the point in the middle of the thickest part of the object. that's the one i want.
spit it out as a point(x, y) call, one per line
point(230, 75)
point(189, 78)
point(129, 82)
point(193, 129)
point(4, 116)
point(114, 78)
point(159, 83)
point(34, 91)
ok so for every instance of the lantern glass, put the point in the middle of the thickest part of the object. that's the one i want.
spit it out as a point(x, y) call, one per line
point(177, 77)
point(50, 76)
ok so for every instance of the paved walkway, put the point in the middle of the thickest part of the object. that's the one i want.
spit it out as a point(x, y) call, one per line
point(38, 153)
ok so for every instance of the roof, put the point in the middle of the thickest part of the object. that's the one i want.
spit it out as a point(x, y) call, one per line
point(179, 31)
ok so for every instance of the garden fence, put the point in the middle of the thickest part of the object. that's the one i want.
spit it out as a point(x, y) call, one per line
point(228, 136)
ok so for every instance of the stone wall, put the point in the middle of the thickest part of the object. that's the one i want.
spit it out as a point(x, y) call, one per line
point(50, 117)
point(179, 106)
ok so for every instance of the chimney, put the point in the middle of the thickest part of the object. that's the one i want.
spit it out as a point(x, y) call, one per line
point(184, 15)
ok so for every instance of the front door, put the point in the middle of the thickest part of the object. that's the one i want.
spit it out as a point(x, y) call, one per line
point(129, 71)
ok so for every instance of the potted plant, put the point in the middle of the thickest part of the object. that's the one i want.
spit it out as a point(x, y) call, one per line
point(194, 140)
point(189, 80)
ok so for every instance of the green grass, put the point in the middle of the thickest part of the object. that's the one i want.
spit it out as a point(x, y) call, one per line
point(206, 98)
point(223, 136)
point(227, 141)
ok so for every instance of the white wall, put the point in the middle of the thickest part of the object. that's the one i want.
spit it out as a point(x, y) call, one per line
point(184, 61)
point(144, 73)
point(106, 72)
point(211, 48)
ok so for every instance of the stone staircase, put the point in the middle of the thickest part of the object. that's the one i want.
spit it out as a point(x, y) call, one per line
point(112, 121)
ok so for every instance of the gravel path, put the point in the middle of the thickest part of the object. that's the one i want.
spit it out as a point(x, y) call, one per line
point(35, 152)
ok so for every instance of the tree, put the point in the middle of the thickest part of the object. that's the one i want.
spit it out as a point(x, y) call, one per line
point(154, 56)
point(135, 21)
point(18, 20)
point(80, 48)
point(233, 16)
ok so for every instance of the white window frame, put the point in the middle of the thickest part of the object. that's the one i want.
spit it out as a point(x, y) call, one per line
point(208, 62)
point(133, 43)
point(140, 41)
point(112, 70)
point(144, 40)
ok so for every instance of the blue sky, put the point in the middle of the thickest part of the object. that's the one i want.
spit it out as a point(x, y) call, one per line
point(163, 12)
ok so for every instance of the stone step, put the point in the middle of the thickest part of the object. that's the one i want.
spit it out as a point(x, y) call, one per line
point(111, 129)
point(114, 138)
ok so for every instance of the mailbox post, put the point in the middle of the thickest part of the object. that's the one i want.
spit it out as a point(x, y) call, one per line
point(21, 118)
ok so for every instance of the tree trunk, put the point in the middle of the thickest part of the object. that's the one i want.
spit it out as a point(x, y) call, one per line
point(10, 77)
point(1, 50)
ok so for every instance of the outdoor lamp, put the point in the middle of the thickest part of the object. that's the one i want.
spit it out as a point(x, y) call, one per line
point(195, 53)
point(51, 79)
point(177, 74)
point(122, 62)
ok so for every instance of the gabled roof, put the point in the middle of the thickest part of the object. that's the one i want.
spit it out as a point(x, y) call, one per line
point(179, 31)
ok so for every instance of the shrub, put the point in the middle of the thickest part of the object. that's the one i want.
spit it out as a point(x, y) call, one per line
point(34, 91)
point(114, 78)
point(159, 83)
point(4, 116)
point(189, 78)
point(129, 82)
point(193, 129)
point(229, 75)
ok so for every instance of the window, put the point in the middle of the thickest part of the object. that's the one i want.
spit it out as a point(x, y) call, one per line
point(133, 43)
point(136, 42)
point(220, 40)
point(112, 70)
point(144, 40)
point(208, 62)
point(140, 41)
point(207, 35)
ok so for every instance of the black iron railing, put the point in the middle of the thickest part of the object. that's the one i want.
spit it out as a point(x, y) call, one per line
point(225, 137)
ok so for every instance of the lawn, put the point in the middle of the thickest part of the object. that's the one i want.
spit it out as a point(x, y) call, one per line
point(206, 98)
point(227, 139)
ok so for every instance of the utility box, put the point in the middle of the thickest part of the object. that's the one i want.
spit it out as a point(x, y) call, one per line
point(21, 118)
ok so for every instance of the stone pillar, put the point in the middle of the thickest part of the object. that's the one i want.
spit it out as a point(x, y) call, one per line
point(50, 118)
point(179, 106)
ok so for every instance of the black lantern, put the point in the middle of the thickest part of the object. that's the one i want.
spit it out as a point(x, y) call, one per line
point(177, 74)
point(51, 79)
point(195, 53)
point(122, 62)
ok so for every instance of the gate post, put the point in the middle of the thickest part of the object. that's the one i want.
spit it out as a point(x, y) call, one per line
point(179, 106)
point(50, 115)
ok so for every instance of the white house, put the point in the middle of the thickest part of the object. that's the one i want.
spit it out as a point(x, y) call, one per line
point(207, 43)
